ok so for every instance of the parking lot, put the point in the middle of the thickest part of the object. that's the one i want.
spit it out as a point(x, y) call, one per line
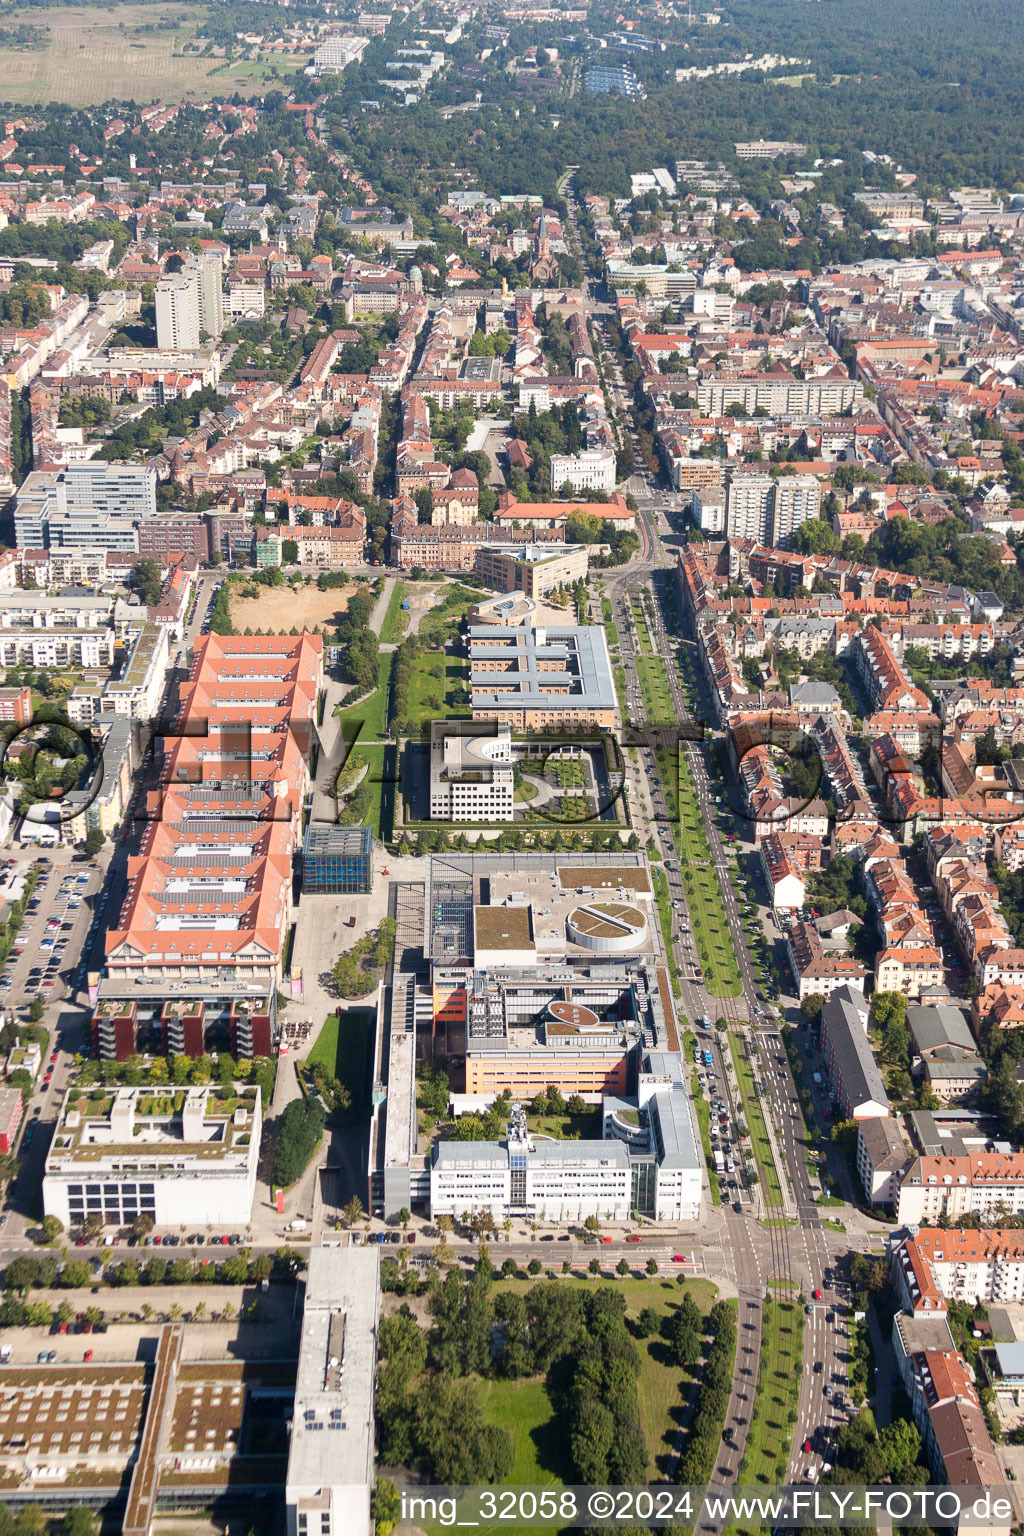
point(44, 958)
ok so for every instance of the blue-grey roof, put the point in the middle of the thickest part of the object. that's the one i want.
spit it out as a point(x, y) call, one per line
point(843, 1022)
point(471, 1153)
point(672, 1125)
point(1011, 1359)
point(583, 650)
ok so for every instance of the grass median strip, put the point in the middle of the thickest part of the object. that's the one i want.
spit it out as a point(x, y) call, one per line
point(395, 619)
point(766, 1458)
point(664, 901)
point(756, 1127)
point(704, 895)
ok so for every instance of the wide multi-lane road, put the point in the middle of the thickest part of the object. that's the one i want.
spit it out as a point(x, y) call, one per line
point(789, 1243)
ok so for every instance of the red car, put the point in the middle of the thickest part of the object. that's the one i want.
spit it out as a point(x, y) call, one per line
point(606, 1239)
point(816, 1295)
point(634, 1237)
point(679, 1258)
point(807, 1447)
point(225, 1238)
point(87, 1356)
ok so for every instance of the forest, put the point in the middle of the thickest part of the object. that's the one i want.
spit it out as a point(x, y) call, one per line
point(949, 112)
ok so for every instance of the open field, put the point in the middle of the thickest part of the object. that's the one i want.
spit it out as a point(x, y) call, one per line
point(95, 54)
point(280, 607)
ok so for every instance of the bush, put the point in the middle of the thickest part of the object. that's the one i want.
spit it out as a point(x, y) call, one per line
point(302, 1126)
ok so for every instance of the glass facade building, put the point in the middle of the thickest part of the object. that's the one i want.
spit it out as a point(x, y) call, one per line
point(337, 861)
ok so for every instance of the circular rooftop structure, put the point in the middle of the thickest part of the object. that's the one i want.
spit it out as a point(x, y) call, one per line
point(569, 1017)
point(610, 927)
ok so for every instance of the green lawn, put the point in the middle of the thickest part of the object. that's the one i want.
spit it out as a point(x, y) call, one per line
point(374, 801)
point(395, 620)
point(704, 896)
point(342, 1046)
point(775, 1402)
point(664, 901)
point(437, 691)
point(587, 1127)
point(526, 1411)
point(523, 1407)
point(755, 1125)
point(372, 712)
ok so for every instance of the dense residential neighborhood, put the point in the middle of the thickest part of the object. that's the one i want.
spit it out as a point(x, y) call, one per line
point(512, 697)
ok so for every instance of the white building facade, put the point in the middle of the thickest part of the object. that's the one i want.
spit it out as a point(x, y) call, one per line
point(591, 470)
point(125, 1156)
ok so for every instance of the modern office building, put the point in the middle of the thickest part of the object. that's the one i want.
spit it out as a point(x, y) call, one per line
point(533, 569)
point(330, 1457)
point(337, 860)
point(183, 1158)
point(545, 969)
point(93, 505)
point(647, 1161)
point(535, 678)
point(471, 778)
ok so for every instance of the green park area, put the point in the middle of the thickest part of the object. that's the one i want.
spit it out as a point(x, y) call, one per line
point(525, 1408)
point(396, 618)
point(366, 720)
point(437, 690)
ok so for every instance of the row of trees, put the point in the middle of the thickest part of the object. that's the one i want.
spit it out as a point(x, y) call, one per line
point(356, 971)
point(361, 646)
point(299, 1132)
point(697, 1461)
point(431, 1419)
